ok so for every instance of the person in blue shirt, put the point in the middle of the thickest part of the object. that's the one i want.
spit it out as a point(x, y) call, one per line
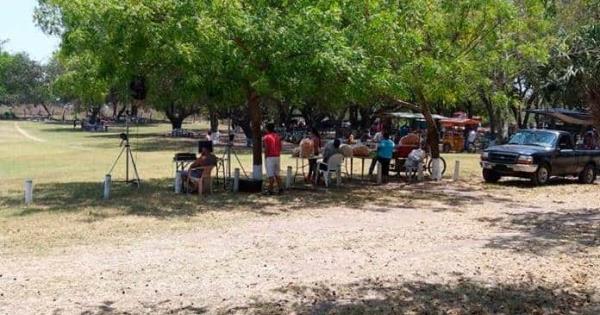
point(385, 152)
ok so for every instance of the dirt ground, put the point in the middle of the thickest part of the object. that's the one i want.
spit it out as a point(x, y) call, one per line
point(445, 248)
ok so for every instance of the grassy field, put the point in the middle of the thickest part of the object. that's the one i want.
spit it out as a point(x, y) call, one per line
point(68, 166)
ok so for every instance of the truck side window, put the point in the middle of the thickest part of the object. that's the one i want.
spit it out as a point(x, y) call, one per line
point(565, 142)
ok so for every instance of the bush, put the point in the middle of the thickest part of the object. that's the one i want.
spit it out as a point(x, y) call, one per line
point(8, 115)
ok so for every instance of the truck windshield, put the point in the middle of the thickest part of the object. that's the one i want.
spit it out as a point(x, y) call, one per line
point(538, 138)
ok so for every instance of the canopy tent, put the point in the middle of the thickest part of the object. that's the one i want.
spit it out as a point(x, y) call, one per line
point(460, 122)
point(566, 115)
point(409, 115)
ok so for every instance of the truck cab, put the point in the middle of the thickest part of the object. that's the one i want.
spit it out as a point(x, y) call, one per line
point(539, 155)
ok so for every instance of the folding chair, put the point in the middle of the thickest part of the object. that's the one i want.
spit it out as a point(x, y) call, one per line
point(204, 182)
point(333, 165)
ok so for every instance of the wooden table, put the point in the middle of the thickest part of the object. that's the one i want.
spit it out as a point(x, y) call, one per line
point(300, 164)
point(362, 167)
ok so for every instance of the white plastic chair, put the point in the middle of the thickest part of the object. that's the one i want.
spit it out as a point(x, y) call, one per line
point(334, 165)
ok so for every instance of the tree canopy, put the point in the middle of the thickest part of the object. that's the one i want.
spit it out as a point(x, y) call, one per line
point(326, 55)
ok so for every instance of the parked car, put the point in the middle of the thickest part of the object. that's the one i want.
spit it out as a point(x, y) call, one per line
point(538, 155)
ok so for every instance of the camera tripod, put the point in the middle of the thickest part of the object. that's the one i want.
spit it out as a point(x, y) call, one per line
point(229, 151)
point(126, 149)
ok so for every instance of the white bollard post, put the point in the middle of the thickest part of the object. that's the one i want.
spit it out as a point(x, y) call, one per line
point(178, 182)
point(436, 169)
point(420, 175)
point(107, 182)
point(28, 191)
point(236, 180)
point(456, 171)
point(257, 173)
point(288, 178)
point(379, 174)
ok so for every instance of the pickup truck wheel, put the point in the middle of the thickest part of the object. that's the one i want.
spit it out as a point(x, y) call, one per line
point(588, 175)
point(490, 176)
point(541, 176)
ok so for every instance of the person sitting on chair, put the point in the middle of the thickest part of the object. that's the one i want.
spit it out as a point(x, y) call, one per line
point(332, 148)
point(206, 158)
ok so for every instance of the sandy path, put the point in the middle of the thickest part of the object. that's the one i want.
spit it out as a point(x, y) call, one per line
point(241, 269)
point(27, 135)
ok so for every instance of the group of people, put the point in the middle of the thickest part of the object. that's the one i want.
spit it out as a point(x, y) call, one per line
point(383, 153)
point(272, 144)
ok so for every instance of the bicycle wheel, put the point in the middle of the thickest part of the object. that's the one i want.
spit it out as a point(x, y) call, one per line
point(430, 163)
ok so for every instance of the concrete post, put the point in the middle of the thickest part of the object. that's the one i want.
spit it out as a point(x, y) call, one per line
point(107, 182)
point(178, 182)
point(28, 191)
point(236, 180)
point(379, 174)
point(436, 169)
point(288, 178)
point(456, 171)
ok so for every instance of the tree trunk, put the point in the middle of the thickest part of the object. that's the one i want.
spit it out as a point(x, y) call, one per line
point(284, 112)
point(489, 107)
point(94, 111)
point(469, 109)
point(177, 115)
point(433, 136)
point(121, 112)
point(115, 107)
point(214, 122)
point(176, 123)
point(47, 110)
point(353, 117)
point(134, 110)
point(593, 100)
point(253, 103)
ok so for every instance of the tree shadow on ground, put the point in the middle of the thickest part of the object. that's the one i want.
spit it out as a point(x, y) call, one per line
point(444, 196)
point(156, 198)
point(527, 184)
point(387, 297)
point(537, 232)
point(161, 307)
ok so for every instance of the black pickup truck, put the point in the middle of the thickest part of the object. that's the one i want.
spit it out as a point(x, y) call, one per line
point(538, 155)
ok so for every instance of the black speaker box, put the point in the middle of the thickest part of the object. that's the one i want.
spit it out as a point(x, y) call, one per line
point(251, 185)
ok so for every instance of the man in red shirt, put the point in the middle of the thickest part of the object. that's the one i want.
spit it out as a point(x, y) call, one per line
point(272, 144)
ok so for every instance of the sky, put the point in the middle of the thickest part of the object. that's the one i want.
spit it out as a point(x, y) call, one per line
point(17, 26)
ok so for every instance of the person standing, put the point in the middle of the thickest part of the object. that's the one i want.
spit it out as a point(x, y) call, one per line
point(472, 136)
point(315, 137)
point(377, 138)
point(272, 145)
point(385, 152)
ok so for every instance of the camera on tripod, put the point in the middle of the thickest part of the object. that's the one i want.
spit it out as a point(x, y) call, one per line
point(124, 138)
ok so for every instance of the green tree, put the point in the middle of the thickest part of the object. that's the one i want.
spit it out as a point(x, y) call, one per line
point(434, 51)
point(81, 82)
point(295, 52)
point(571, 76)
point(166, 44)
point(26, 81)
